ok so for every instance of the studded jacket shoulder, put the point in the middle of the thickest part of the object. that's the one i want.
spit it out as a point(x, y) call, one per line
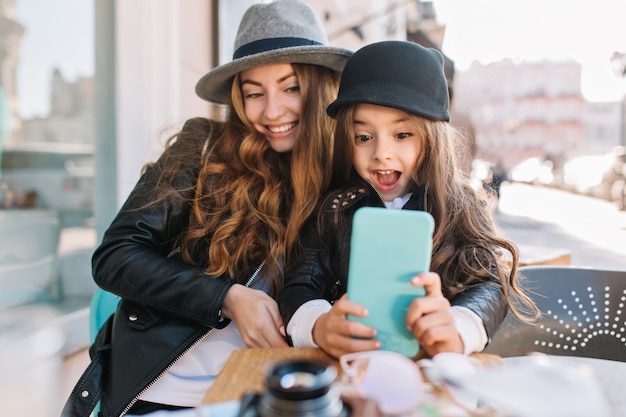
point(322, 270)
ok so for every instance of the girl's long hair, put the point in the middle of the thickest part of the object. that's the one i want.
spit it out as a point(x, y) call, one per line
point(468, 247)
point(250, 202)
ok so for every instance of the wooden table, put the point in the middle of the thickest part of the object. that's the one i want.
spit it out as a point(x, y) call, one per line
point(543, 255)
point(245, 370)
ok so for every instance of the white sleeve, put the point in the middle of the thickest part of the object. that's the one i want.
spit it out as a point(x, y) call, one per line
point(471, 329)
point(300, 327)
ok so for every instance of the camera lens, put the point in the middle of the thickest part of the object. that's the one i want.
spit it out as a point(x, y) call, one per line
point(301, 388)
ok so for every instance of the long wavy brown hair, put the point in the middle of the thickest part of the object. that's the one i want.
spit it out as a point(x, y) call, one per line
point(249, 202)
point(468, 247)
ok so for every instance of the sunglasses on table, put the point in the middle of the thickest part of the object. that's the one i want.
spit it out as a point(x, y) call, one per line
point(403, 387)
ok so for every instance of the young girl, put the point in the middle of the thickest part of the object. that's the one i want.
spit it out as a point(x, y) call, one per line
point(394, 148)
point(197, 251)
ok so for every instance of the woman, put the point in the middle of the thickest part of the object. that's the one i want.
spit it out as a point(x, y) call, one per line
point(197, 251)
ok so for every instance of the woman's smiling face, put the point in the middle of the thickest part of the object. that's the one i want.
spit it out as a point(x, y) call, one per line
point(387, 149)
point(272, 101)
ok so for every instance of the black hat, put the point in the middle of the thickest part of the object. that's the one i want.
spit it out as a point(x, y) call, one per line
point(398, 74)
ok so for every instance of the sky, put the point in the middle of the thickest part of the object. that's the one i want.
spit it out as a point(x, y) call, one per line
point(59, 34)
point(587, 31)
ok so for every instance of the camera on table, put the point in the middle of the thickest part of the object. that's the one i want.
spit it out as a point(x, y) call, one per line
point(299, 388)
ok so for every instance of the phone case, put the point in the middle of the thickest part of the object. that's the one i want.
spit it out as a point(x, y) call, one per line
point(388, 248)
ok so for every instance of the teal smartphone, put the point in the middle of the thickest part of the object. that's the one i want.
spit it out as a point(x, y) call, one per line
point(387, 248)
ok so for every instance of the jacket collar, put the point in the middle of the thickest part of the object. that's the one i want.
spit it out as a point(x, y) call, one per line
point(363, 193)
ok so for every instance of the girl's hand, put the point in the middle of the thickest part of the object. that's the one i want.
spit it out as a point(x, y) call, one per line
point(430, 318)
point(335, 334)
point(256, 314)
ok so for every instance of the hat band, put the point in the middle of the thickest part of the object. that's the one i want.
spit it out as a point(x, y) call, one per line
point(264, 45)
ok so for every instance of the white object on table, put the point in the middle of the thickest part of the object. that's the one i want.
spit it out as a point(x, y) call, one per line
point(541, 386)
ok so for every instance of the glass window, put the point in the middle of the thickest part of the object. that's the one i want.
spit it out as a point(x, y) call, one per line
point(47, 146)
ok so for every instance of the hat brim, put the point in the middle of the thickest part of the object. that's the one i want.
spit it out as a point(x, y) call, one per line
point(215, 85)
point(389, 96)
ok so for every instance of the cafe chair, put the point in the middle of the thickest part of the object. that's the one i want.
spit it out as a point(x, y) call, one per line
point(103, 304)
point(29, 263)
point(582, 314)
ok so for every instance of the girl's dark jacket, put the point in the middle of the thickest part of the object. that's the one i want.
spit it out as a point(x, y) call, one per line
point(167, 306)
point(316, 276)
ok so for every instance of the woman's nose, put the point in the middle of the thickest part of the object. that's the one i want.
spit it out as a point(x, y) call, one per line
point(274, 107)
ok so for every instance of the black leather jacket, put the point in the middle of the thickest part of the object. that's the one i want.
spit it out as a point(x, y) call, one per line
point(167, 306)
point(315, 277)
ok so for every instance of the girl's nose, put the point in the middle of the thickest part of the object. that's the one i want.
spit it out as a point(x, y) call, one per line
point(383, 151)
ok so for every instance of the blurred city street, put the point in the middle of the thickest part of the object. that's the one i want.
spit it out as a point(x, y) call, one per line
point(35, 381)
point(592, 230)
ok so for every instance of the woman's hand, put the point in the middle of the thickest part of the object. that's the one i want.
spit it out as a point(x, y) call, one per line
point(430, 318)
point(337, 335)
point(256, 315)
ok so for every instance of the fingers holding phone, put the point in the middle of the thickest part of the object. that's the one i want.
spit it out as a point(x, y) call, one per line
point(430, 318)
point(337, 335)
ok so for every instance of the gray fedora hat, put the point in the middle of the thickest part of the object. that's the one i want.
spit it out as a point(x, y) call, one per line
point(284, 31)
point(398, 74)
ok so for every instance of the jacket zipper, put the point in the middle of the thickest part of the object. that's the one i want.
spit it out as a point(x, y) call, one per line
point(194, 344)
point(376, 191)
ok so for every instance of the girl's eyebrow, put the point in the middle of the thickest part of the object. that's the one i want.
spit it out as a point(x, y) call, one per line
point(358, 122)
point(280, 80)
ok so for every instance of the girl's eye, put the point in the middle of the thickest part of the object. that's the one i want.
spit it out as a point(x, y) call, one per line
point(362, 138)
point(403, 135)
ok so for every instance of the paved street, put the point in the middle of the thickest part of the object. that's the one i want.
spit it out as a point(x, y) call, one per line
point(593, 230)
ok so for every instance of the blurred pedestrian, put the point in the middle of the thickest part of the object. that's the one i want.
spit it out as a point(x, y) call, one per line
point(497, 176)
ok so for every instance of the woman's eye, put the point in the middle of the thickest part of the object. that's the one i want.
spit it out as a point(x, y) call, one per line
point(294, 89)
point(252, 95)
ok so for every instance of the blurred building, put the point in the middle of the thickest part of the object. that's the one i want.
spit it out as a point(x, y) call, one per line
point(524, 109)
point(71, 114)
point(602, 124)
point(354, 23)
point(52, 157)
point(11, 33)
